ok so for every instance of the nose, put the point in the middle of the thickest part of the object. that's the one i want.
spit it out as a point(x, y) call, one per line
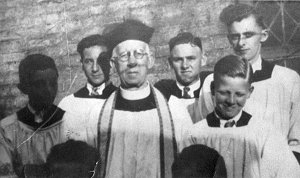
point(231, 99)
point(50, 89)
point(132, 62)
point(95, 67)
point(241, 41)
point(184, 63)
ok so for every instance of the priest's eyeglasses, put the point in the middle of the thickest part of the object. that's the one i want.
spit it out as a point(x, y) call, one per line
point(138, 54)
point(245, 35)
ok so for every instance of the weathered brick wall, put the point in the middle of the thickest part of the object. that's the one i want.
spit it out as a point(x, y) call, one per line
point(54, 27)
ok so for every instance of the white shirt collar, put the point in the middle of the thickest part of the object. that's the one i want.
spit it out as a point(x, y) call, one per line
point(136, 94)
point(99, 88)
point(257, 64)
point(193, 87)
point(223, 121)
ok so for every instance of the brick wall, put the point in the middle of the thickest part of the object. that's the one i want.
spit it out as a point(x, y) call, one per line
point(54, 27)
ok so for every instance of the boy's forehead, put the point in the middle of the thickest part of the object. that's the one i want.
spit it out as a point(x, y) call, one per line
point(229, 80)
point(185, 48)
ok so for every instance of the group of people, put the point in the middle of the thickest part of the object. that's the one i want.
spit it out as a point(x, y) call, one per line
point(241, 120)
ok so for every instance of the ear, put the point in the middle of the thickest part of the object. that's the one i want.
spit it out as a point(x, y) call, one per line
point(151, 61)
point(265, 35)
point(250, 91)
point(170, 61)
point(212, 88)
point(112, 64)
point(203, 59)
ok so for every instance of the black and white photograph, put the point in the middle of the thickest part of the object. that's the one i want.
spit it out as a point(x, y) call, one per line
point(149, 88)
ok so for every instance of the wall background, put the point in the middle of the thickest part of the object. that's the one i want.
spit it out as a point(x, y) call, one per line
point(54, 27)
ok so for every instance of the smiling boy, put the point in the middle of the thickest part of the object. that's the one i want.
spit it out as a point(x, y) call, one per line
point(250, 146)
point(276, 98)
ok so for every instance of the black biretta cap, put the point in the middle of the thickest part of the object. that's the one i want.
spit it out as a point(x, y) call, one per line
point(130, 30)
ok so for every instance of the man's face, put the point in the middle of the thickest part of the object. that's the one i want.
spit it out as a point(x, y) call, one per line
point(95, 64)
point(42, 88)
point(186, 61)
point(246, 37)
point(230, 95)
point(132, 72)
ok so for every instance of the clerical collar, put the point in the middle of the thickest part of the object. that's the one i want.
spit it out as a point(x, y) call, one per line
point(193, 87)
point(99, 89)
point(135, 94)
point(257, 64)
point(223, 121)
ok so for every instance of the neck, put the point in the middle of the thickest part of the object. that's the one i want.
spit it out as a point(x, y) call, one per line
point(136, 94)
point(136, 87)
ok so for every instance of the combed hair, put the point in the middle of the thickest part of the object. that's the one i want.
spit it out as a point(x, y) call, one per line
point(184, 38)
point(89, 41)
point(32, 63)
point(233, 66)
point(240, 11)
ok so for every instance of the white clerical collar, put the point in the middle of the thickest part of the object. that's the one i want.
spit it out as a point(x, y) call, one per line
point(235, 119)
point(257, 64)
point(193, 87)
point(136, 94)
point(99, 88)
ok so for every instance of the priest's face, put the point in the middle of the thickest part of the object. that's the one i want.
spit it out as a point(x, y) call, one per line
point(42, 88)
point(246, 37)
point(95, 64)
point(230, 95)
point(132, 61)
point(186, 60)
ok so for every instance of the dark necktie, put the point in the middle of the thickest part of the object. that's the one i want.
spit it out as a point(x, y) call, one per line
point(229, 124)
point(185, 92)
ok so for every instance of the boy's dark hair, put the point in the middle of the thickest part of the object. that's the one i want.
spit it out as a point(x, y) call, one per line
point(198, 161)
point(89, 41)
point(183, 38)
point(72, 155)
point(238, 12)
point(71, 159)
point(31, 64)
point(233, 66)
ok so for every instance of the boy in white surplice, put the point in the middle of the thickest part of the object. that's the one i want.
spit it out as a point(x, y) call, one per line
point(250, 147)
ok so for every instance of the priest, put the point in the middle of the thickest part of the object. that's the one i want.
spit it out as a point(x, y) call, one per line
point(136, 136)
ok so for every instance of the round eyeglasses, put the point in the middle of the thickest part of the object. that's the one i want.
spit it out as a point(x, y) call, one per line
point(138, 54)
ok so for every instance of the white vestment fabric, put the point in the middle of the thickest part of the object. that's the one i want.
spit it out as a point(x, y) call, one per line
point(255, 150)
point(276, 100)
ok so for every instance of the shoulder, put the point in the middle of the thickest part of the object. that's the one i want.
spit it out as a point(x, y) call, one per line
point(198, 127)
point(165, 86)
point(205, 74)
point(66, 99)
point(285, 73)
point(11, 119)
